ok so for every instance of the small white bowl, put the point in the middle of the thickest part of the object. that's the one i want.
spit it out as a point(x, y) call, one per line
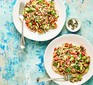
point(77, 28)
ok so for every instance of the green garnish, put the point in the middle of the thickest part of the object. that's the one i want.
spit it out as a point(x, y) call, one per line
point(77, 67)
point(40, 0)
point(84, 57)
point(53, 12)
point(71, 58)
point(55, 64)
point(80, 55)
point(79, 77)
point(27, 9)
point(87, 61)
point(68, 70)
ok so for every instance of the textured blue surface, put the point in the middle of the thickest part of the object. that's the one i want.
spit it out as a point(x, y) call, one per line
point(23, 69)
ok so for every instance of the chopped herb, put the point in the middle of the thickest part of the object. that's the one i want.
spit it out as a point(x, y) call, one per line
point(68, 70)
point(55, 64)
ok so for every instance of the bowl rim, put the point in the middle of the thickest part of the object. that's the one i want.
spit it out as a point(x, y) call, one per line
point(75, 30)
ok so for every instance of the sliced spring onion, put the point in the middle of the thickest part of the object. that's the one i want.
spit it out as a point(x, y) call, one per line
point(27, 9)
point(84, 57)
point(68, 70)
point(79, 77)
point(55, 64)
point(71, 58)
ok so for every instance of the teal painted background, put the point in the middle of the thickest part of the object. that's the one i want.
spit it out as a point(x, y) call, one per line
point(23, 69)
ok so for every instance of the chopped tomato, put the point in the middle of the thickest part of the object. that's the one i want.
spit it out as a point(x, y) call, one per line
point(61, 62)
point(70, 45)
point(27, 21)
point(68, 57)
point(67, 62)
point(83, 53)
point(56, 58)
point(31, 0)
point(55, 49)
point(28, 25)
point(73, 53)
point(34, 23)
point(36, 9)
point(75, 56)
point(54, 54)
point(47, 3)
point(73, 61)
point(66, 44)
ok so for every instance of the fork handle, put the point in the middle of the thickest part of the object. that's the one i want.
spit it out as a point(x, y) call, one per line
point(22, 41)
point(22, 37)
point(48, 79)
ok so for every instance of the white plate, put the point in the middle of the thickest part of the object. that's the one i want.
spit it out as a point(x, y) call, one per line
point(69, 38)
point(59, 4)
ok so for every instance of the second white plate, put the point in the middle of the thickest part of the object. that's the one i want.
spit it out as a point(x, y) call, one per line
point(69, 38)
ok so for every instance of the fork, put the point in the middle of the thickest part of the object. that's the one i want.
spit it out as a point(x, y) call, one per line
point(21, 8)
point(66, 78)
